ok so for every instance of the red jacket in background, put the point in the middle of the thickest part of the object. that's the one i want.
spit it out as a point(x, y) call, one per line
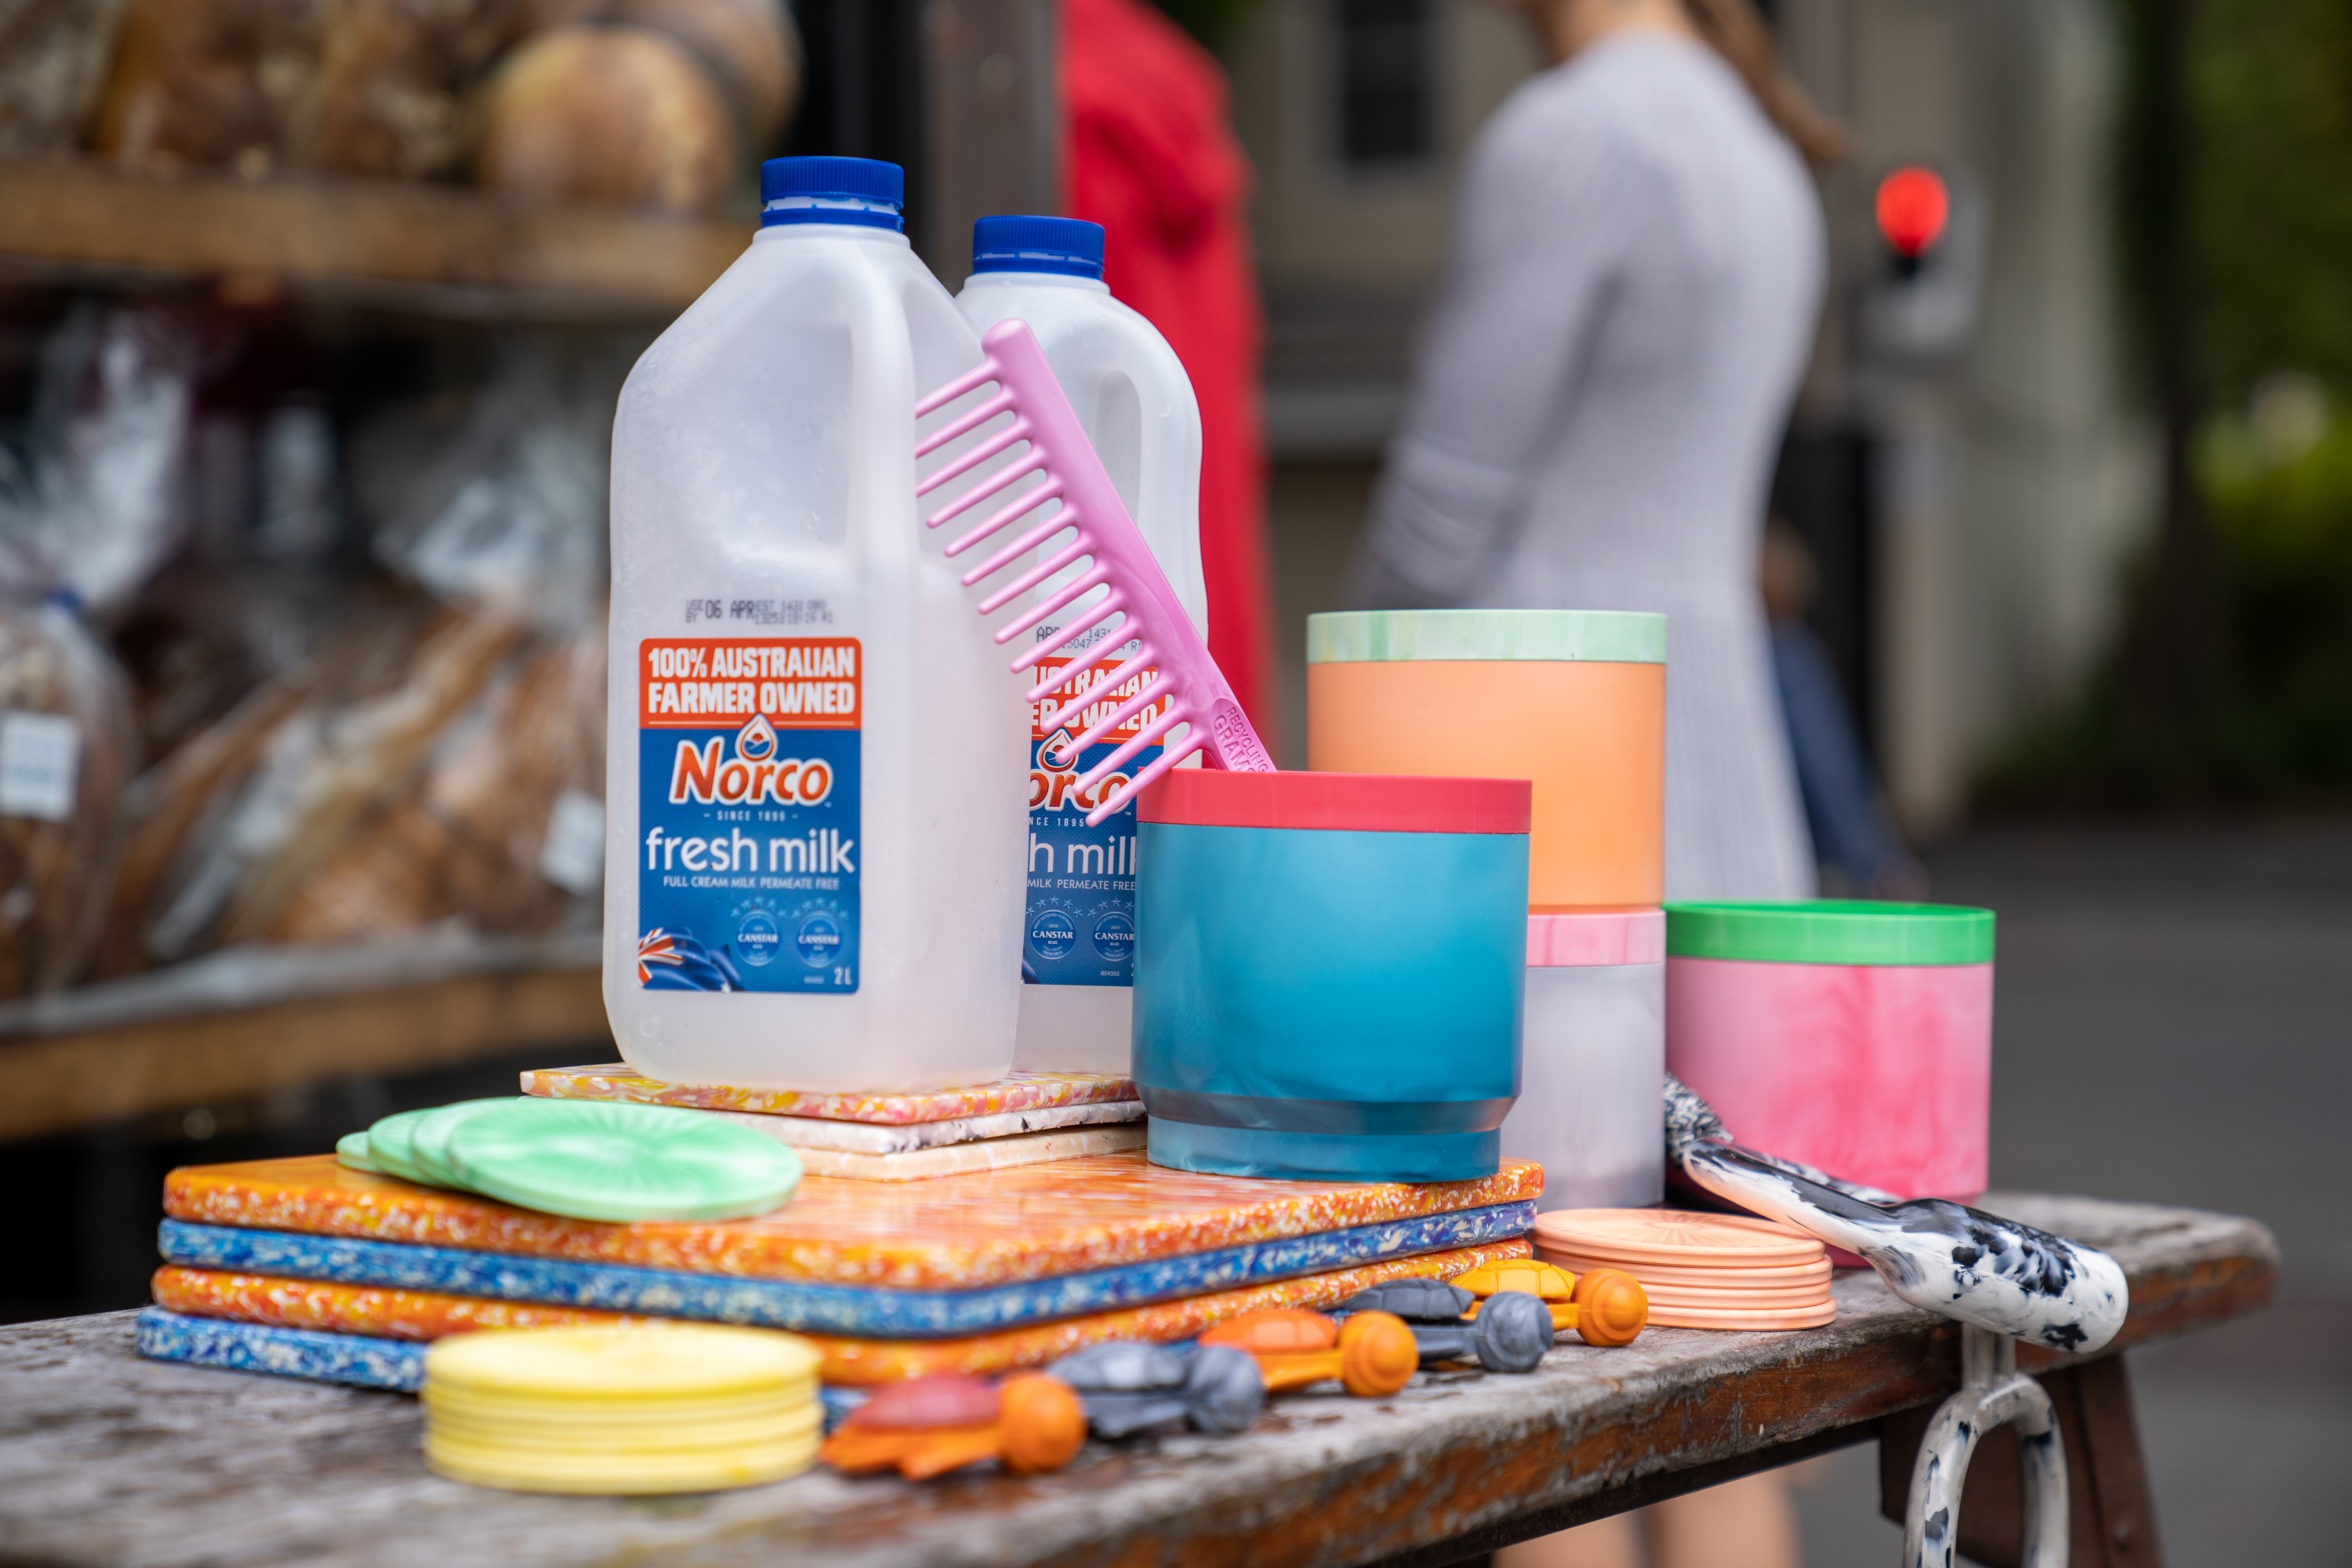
point(1152, 158)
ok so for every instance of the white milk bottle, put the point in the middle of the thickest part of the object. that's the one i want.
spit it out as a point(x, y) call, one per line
point(1130, 391)
point(812, 765)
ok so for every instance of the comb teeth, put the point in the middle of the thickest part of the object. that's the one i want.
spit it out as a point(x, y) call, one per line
point(1173, 756)
point(1100, 549)
point(1069, 554)
point(1148, 735)
point(1045, 610)
point(1102, 729)
point(1094, 657)
point(989, 370)
point(963, 424)
point(1028, 501)
point(1111, 681)
point(1053, 644)
point(1032, 461)
point(1060, 523)
point(1028, 462)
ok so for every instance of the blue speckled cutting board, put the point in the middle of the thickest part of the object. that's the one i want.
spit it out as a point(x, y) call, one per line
point(826, 1309)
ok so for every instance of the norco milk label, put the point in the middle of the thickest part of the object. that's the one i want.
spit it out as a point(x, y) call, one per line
point(748, 813)
point(1081, 922)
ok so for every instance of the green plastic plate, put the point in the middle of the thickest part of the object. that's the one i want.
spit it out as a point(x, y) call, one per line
point(388, 1146)
point(428, 1140)
point(619, 1161)
point(352, 1151)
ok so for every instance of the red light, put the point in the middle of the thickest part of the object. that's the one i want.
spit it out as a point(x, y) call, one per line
point(1913, 207)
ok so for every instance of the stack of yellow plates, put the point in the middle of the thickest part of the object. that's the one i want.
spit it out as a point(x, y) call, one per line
point(652, 1407)
point(1699, 1271)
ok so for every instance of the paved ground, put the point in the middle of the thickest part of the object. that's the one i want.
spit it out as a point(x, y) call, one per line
point(2174, 1023)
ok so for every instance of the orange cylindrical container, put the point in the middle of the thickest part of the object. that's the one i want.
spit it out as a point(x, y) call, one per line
point(1573, 700)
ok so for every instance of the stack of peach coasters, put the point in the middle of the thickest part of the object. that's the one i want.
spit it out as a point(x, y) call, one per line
point(1701, 1270)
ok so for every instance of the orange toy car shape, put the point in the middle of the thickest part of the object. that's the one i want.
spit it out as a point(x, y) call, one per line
point(1371, 1355)
point(928, 1426)
point(1603, 1306)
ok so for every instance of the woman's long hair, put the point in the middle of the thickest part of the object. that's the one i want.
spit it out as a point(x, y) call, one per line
point(1734, 30)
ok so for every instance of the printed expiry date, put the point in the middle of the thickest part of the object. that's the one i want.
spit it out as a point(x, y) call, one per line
point(761, 612)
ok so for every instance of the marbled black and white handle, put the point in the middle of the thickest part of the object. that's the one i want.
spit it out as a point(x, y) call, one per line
point(1946, 1257)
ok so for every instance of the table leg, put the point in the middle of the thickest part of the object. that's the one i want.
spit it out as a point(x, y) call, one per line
point(2110, 1515)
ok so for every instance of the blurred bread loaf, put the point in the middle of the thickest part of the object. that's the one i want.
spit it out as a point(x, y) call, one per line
point(649, 103)
point(66, 753)
point(322, 779)
point(749, 46)
point(178, 807)
point(613, 114)
point(200, 83)
point(391, 95)
point(238, 821)
point(346, 86)
point(472, 844)
point(53, 58)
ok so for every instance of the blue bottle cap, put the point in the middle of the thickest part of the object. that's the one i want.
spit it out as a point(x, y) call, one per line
point(862, 191)
point(1017, 243)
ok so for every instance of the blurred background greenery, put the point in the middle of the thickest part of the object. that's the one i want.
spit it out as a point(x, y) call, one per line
point(1214, 22)
point(2231, 682)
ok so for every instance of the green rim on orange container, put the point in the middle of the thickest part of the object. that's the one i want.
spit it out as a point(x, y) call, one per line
point(1590, 637)
point(1831, 931)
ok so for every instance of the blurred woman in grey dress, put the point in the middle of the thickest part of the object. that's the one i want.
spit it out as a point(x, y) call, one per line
point(1636, 274)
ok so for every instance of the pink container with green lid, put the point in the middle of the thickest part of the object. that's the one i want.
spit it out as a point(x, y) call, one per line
point(1852, 1035)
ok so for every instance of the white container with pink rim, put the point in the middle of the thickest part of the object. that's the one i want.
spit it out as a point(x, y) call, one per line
point(1854, 1036)
point(1593, 1074)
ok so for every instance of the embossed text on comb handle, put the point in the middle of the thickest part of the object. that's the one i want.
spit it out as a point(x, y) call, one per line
point(1237, 743)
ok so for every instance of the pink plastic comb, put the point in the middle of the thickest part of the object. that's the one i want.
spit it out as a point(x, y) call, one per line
point(1182, 676)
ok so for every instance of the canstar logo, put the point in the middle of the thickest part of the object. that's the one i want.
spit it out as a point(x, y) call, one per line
point(754, 775)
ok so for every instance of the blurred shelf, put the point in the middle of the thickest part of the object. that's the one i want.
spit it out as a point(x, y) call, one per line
point(241, 1024)
point(435, 249)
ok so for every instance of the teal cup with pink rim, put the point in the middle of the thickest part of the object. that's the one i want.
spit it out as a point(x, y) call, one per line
point(1329, 973)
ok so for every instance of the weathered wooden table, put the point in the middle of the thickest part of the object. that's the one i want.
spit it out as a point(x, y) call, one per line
point(105, 1458)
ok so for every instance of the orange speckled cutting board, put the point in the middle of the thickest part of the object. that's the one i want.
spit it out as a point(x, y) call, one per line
point(429, 1315)
point(986, 1227)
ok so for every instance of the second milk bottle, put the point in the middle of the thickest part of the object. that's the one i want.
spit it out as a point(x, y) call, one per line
point(1130, 392)
point(812, 769)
